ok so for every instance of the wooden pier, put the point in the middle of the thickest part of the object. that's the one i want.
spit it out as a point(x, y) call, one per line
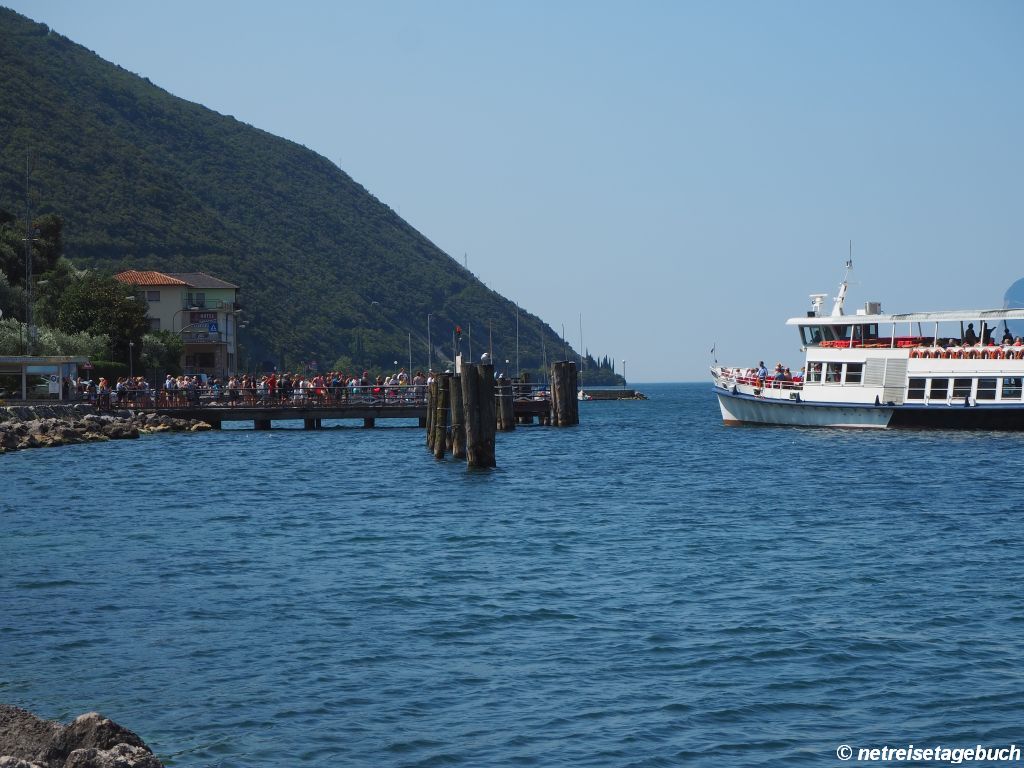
point(313, 415)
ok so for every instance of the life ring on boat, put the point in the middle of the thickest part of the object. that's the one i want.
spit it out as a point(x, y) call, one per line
point(992, 354)
point(914, 353)
point(936, 353)
point(1017, 352)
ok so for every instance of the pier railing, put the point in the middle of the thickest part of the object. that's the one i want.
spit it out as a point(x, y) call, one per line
point(306, 398)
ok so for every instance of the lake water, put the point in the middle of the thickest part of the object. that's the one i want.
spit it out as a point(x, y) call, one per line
point(648, 589)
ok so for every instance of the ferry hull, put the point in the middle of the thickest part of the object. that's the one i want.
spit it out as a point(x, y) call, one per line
point(745, 409)
point(739, 409)
point(959, 417)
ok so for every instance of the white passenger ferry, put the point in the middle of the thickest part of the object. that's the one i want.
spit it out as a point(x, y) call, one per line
point(951, 369)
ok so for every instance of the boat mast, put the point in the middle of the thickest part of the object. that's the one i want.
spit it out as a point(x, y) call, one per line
point(837, 308)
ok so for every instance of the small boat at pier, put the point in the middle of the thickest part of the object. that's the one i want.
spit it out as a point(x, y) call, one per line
point(940, 369)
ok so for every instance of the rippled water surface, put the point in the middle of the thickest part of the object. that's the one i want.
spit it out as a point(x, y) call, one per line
point(648, 589)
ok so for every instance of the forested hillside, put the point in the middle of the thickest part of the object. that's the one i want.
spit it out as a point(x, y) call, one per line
point(145, 180)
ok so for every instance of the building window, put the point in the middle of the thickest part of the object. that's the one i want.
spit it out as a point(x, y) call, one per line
point(915, 391)
point(197, 300)
point(154, 323)
point(152, 296)
point(940, 389)
point(1011, 389)
point(986, 389)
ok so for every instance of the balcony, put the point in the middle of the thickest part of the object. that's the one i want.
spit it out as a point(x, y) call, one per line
point(210, 305)
point(204, 337)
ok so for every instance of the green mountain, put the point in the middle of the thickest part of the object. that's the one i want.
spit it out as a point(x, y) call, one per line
point(145, 180)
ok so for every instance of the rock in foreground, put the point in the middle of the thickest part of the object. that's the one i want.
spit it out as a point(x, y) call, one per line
point(91, 741)
point(46, 426)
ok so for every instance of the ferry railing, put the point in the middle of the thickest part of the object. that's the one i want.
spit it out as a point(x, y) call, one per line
point(750, 378)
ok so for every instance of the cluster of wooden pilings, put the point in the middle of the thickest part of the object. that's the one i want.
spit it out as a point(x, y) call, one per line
point(461, 415)
point(464, 411)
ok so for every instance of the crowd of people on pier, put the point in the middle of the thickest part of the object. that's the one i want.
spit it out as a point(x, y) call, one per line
point(246, 389)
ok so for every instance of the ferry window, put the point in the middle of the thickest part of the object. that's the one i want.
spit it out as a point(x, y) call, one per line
point(940, 389)
point(1011, 389)
point(833, 373)
point(814, 373)
point(915, 391)
point(962, 387)
point(854, 373)
point(986, 389)
point(810, 335)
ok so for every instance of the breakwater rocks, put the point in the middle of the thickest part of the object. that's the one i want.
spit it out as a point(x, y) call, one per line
point(91, 741)
point(42, 426)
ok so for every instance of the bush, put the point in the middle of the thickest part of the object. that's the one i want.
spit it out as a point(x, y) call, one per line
point(107, 369)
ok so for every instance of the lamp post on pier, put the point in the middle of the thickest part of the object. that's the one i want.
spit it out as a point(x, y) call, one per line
point(430, 359)
point(623, 374)
point(131, 359)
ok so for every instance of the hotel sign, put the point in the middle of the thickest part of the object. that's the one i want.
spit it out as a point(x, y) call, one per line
point(203, 317)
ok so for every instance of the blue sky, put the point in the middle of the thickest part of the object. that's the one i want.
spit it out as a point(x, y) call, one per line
point(678, 174)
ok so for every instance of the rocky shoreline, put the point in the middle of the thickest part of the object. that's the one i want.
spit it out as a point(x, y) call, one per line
point(45, 426)
point(91, 741)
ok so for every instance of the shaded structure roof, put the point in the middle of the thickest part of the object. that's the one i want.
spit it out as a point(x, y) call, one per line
point(201, 280)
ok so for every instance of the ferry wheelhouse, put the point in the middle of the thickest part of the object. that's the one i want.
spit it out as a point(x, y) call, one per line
point(949, 369)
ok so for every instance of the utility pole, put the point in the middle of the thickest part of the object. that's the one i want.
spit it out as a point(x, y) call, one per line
point(29, 326)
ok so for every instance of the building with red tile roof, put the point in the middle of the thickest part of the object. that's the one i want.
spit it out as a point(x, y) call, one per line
point(202, 309)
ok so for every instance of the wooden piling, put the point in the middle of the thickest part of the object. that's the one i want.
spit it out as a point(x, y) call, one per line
point(564, 403)
point(441, 415)
point(505, 406)
point(479, 413)
point(488, 417)
point(522, 389)
point(470, 411)
point(458, 418)
point(431, 405)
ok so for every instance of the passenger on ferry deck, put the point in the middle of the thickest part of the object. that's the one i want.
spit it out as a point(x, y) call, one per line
point(786, 375)
point(1018, 342)
point(970, 337)
point(762, 373)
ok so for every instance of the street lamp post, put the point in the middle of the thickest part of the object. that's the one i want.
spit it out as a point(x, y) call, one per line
point(430, 359)
point(623, 374)
point(175, 316)
point(131, 359)
point(517, 341)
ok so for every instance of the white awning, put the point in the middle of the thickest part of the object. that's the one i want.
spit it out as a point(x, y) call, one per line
point(967, 315)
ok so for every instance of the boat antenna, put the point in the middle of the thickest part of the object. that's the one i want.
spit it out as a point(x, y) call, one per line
point(837, 308)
